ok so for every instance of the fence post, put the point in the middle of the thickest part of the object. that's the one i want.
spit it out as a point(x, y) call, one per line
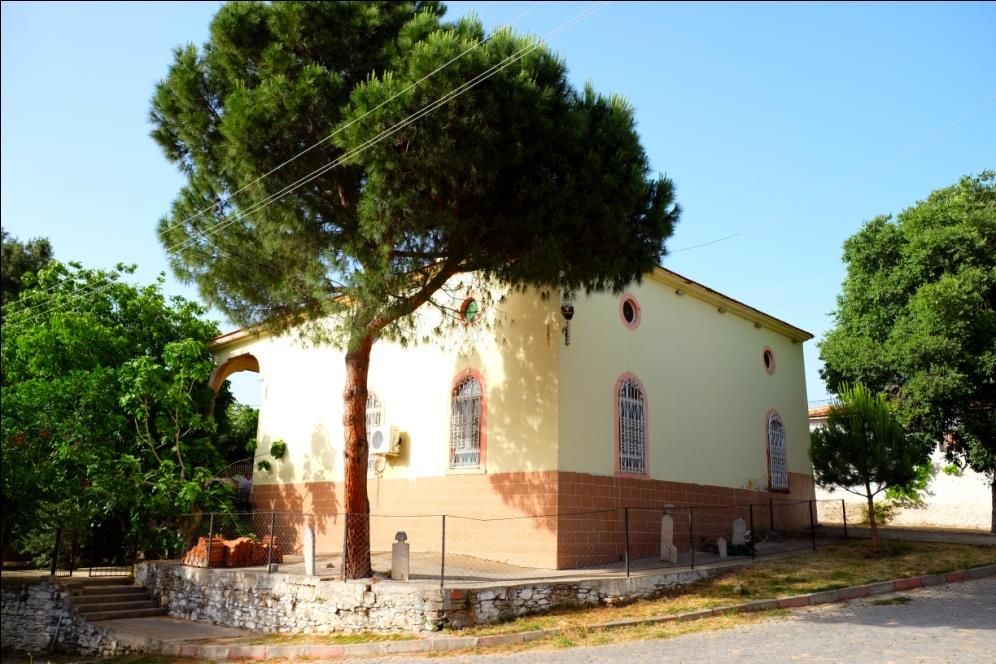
point(269, 550)
point(93, 552)
point(843, 513)
point(207, 563)
point(753, 535)
point(442, 556)
point(691, 534)
point(626, 534)
point(133, 552)
point(345, 544)
point(55, 553)
point(771, 513)
point(72, 551)
point(812, 525)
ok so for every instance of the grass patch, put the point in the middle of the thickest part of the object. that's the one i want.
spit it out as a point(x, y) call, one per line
point(901, 599)
point(834, 567)
point(574, 637)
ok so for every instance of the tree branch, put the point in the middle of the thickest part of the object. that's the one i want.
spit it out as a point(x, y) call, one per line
point(412, 302)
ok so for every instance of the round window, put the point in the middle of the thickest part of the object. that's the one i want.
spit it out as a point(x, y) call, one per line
point(469, 310)
point(769, 360)
point(629, 311)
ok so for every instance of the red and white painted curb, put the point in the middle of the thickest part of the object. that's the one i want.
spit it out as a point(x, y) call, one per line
point(443, 643)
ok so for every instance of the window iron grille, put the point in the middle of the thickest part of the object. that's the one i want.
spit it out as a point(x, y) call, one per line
point(632, 428)
point(465, 424)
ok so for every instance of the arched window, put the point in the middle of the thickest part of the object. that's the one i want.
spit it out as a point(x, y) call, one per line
point(466, 419)
point(375, 412)
point(631, 426)
point(777, 457)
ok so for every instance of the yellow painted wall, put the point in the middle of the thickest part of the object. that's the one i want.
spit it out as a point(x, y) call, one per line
point(301, 400)
point(707, 389)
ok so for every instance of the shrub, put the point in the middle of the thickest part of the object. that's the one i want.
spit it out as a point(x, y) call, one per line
point(885, 511)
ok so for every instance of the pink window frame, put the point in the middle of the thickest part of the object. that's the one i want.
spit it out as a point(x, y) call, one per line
point(463, 307)
point(767, 451)
point(771, 369)
point(646, 427)
point(457, 380)
point(629, 297)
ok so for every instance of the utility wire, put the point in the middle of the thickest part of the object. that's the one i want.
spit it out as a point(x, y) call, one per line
point(898, 157)
point(429, 108)
point(231, 196)
point(390, 131)
point(704, 244)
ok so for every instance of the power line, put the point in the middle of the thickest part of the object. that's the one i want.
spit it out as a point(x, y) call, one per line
point(328, 138)
point(390, 131)
point(901, 155)
point(425, 110)
point(704, 244)
point(940, 132)
point(330, 165)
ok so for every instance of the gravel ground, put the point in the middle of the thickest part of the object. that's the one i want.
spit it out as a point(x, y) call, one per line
point(952, 623)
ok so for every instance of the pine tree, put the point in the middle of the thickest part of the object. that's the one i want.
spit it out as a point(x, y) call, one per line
point(522, 179)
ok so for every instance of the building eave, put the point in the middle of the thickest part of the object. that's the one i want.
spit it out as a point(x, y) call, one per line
point(680, 283)
point(236, 337)
point(683, 285)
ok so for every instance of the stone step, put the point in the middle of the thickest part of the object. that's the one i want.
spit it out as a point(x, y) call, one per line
point(112, 590)
point(123, 580)
point(127, 613)
point(103, 598)
point(87, 609)
point(84, 582)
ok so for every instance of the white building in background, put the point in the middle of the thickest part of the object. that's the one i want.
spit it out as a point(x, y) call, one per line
point(953, 501)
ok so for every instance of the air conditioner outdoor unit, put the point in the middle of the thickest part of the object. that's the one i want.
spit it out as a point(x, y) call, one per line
point(385, 440)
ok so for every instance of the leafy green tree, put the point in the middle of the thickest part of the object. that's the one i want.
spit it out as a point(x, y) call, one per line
point(18, 259)
point(523, 179)
point(916, 319)
point(105, 400)
point(861, 448)
point(237, 427)
point(914, 495)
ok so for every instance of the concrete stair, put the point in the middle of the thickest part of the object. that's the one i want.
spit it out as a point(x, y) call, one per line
point(111, 599)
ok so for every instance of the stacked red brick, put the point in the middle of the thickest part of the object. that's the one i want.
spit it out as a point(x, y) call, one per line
point(239, 552)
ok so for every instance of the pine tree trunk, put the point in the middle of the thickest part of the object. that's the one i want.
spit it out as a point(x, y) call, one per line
point(356, 502)
point(871, 518)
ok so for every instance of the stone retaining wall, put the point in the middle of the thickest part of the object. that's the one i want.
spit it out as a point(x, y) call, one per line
point(30, 610)
point(288, 603)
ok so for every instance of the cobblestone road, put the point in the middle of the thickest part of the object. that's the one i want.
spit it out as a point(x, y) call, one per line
point(953, 623)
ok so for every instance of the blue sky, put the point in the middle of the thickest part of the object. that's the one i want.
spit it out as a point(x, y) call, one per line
point(784, 126)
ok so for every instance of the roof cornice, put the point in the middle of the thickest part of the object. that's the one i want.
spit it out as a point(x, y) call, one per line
point(726, 304)
point(681, 284)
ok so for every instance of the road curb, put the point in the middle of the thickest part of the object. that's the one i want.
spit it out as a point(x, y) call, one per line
point(444, 643)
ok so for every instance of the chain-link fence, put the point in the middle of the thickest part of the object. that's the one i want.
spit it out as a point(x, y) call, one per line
point(451, 548)
point(242, 539)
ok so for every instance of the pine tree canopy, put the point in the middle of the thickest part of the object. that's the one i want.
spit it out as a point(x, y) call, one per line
point(522, 178)
point(515, 175)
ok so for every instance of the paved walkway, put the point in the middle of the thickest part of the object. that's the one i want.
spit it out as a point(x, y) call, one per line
point(172, 630)
point(953, 623)
point(467, 572)
point(952, 536)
